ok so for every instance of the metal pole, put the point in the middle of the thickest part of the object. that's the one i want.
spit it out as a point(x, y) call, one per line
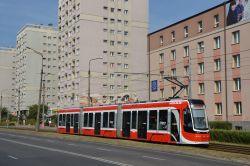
point(7, 123)
point(1, 107)
point(40, 92)
point(39, 100)
point(81, 119)
point(89, 74)
point(18, 106)
point(225, 57)
point(89, 85)
point(43, 103)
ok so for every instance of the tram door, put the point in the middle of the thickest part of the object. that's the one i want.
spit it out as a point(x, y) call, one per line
point(126, 124)
point(175, 125)
point(97, 123)
point(76, 123)
point(68, 123)
point(142, 124)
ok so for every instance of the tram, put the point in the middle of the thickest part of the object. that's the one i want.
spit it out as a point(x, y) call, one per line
point(175, 121)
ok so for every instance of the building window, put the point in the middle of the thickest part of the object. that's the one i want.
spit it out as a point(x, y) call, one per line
point(125, 66)
point(173, 36)
point(173, 71)
point(112, 54)
point(201, 47)
point(161, 40)
point(186, 70)
point(125, 77)
point(186, 31)
point(111, 87)
point(161, 58)
point(217, 86)
point(112, 65)
point(217, 42)
point(238, 108)
point(217, 65)
point(200, 26)
point(126, 44)
point(112, 43)
point(218, 108)
point(125, 87)
point(236, 61)
point(173, 55)
point(236, 37)
point(201, 88)
point(216, 21)
point(186, 51)
point(201, 68)
point(237, 84)
point(112, 76)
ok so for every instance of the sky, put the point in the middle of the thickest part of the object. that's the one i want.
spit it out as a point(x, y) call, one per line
point(14, 14)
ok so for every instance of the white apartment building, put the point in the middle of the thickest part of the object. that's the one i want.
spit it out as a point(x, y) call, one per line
point(7, 74)
point(28, 63)
point(113, 30)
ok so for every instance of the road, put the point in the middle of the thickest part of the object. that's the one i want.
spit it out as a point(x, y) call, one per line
point(24, 150)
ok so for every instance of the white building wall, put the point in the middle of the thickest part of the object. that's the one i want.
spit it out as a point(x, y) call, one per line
point(6, 73)
point(93, 26)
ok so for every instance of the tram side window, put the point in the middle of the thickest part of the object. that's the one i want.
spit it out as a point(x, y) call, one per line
point(60, 120)
point(134, 118)
point(111, 120)
point(187, 120)
point(86, 115)
point(90, 120)
point(153, 120)
point(105, 120)
point(72, 120)
point(163, 120)
point(63, 119)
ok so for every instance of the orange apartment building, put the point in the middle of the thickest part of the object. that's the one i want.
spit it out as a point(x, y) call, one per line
point(210, 55)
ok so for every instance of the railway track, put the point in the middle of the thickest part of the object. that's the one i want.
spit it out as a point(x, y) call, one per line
point(230, 148)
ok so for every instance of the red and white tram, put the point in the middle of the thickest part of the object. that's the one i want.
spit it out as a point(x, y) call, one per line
point(176, 121)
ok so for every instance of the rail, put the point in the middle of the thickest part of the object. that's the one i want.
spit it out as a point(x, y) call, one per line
point(230, 148)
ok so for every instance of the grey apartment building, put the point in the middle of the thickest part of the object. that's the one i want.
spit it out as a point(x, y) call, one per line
point(114, 32)
point(209, 54)
point(7, 77)
point(28, 63)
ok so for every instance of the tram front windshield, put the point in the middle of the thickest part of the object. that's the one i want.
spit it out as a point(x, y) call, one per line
point(199, 119)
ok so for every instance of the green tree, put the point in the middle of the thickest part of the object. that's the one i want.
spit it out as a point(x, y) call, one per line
point(4, 112)
point(33, 111)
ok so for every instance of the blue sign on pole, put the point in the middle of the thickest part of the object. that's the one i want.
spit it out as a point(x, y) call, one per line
point(154, 86)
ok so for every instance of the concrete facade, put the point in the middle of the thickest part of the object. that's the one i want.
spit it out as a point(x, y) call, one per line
point(28, 66)
point(113, 30)
point(216, 68)
point(7, 77)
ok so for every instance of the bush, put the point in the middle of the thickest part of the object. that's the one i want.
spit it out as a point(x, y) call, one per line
point(30, 122)
point(220, 125)
point(239, 137)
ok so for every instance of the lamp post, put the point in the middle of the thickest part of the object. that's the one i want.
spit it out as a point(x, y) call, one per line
point(40, 91)
point(89, 79)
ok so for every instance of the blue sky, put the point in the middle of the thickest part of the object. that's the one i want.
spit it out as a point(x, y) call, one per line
point(14, 14)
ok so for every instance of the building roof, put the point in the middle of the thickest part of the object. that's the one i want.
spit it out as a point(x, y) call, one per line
point(221, 4)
